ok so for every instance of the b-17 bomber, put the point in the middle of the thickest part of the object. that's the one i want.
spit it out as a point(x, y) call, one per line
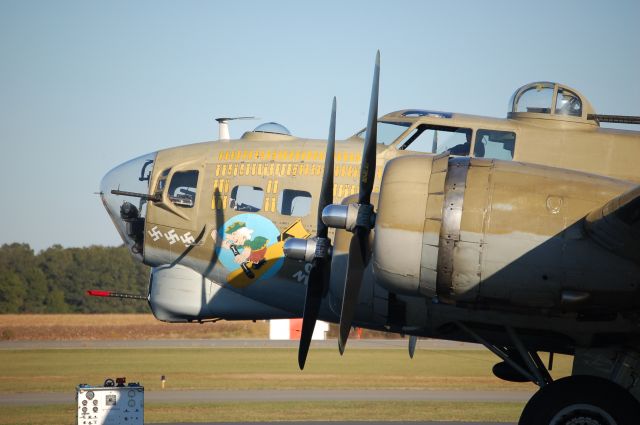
point(520, 233)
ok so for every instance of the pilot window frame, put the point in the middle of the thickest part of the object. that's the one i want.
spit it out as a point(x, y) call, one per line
point(420, 129)
point(161, 183)
point(407, 125)
point(163, 204)
point(187, 199)
point(253, 206)
point(294, 194)
point(485, 132)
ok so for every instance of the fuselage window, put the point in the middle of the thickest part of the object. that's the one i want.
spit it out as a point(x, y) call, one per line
point(387, 132)
point(183, 188)
point(296, 203)
point(246, 198)
point(437, 139)
point(494, 144)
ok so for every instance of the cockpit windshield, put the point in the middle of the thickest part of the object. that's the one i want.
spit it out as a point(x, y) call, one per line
point(388, 132)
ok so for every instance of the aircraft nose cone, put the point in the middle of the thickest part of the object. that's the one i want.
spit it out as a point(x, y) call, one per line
point(128, 212)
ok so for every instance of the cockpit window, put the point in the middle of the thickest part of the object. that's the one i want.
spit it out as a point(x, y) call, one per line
point(246, 198)
point(538, 98)
point(437, 139)
point(494, 144)
point(388, 132)
point(183, 187)
point(162, 181)
point(568, 103)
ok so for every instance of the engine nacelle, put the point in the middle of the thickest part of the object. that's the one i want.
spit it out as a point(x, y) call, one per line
point(489, 232)
point(179, 294)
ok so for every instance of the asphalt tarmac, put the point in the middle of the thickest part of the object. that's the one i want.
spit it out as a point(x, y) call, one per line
point(250, 396)
point(423, 344)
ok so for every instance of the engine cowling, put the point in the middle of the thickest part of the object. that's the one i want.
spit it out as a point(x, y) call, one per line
point(476, 231)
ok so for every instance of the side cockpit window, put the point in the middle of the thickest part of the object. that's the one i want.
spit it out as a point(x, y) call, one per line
point(494, 144)
point(183, 188)
point(296, 203)
point(387, 132)
point(246, 198)
point(162, 181)
point(437, 139)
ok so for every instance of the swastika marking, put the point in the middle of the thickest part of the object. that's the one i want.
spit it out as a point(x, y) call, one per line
point(172, 237)
point(155, 233)
point(187, 239)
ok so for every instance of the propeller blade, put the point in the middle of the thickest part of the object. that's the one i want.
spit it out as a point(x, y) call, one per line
point(368, 164)
point(359, 247)
point(353, 281)
point(312, 302)
point(413, 340)
point(326, 191)
point(320, 269)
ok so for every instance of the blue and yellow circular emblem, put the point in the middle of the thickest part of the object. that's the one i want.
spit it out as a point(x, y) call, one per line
point(249, 248)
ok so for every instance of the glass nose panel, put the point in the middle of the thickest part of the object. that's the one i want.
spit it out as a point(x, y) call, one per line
point(128, 212)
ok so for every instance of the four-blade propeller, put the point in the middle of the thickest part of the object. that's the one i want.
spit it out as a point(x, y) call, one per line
point(357, 218)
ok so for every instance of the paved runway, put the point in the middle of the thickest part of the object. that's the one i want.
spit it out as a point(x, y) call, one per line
point(426, 344)
point(226, 396)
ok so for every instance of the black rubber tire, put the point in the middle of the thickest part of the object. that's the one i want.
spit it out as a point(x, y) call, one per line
point(592, 391)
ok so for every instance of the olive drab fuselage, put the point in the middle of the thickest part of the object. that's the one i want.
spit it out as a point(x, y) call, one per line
point(479, 219)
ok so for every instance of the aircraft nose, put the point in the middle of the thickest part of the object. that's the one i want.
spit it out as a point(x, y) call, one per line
point(127, 212)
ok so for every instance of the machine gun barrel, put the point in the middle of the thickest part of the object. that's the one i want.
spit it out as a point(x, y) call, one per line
point(98, 293)
point(152, 198)
point(615, 119)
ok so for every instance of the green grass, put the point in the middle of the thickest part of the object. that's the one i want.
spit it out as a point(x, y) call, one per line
point(62, 370)
point(288, 411)
point(251, 368)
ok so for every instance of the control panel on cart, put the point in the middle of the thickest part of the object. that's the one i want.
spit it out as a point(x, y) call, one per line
point(110, 404)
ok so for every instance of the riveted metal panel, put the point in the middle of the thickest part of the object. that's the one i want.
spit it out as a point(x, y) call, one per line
point(454, 188)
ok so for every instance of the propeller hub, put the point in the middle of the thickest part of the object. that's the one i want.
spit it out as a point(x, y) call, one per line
point(349, 217)
point(307, 249)
point(336, 216)
point(300, 249)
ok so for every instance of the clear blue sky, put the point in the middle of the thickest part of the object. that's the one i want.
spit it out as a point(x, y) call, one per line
point(86, 85)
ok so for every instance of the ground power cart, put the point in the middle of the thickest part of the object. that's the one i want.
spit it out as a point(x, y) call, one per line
point(114, 403)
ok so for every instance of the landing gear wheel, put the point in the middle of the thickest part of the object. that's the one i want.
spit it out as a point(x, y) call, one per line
point(581, 400)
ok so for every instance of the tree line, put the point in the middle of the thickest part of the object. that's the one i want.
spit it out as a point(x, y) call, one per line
point(55, 280)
